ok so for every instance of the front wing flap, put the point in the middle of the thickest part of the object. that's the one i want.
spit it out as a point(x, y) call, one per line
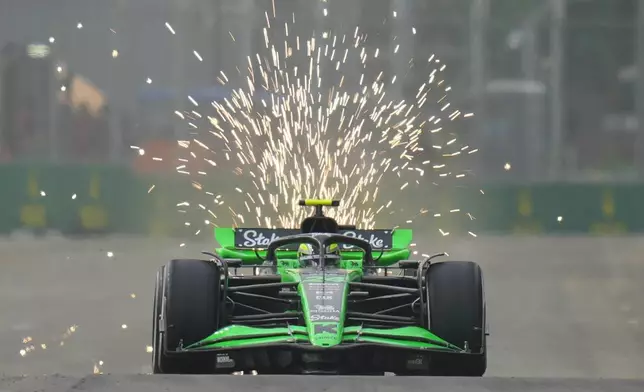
point(242, 336)
point(242, 348)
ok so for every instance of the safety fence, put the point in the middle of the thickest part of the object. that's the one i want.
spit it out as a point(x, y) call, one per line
point(83, 200)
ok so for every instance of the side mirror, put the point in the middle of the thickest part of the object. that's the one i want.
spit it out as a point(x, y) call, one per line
point(408, 264)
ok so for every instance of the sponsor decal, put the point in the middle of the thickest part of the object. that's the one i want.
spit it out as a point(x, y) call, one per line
point(376, 238)
point(253, 238)
point(325, 302)
point(325, 281)
point(224, 361)
point(257, 238)
point(325, 329)
point(323, 291)
point(324, 317)
point(416, 363)
point(325, 309)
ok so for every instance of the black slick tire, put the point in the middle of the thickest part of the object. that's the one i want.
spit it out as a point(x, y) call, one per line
point(186, 310)
point(157, 347)
point(457, 314)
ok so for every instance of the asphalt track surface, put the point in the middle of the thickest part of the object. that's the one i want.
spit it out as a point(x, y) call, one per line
point(567, 307)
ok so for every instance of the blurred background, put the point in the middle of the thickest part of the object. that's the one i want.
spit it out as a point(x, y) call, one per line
point(557, 95)
point(553, 83)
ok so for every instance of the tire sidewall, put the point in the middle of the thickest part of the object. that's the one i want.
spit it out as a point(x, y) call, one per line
point(189, 296)
point(157, 335)
point(456, 304)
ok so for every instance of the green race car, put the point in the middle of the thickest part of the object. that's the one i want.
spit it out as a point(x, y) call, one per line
point(321, 299)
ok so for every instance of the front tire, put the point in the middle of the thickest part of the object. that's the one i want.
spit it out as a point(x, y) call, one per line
point(186, 310)
point(457, 314)
point(156, 320)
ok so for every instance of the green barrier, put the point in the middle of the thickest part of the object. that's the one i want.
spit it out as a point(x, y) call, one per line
point(102, 199)
point(70, 199)
point(559, 208)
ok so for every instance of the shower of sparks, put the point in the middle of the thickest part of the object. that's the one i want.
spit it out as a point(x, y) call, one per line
point(197, 55)
point(299, 128)
point(98, 367)
point(167, 25)
point(30, 346)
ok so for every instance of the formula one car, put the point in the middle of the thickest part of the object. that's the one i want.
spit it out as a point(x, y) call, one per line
point(323, 299)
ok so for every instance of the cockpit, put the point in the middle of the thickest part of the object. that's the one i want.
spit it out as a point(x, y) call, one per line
point(320, 250)
point(309, 256)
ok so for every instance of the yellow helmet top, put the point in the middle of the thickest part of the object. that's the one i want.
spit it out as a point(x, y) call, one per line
point(333, 249)
point(307, 253)
point(307, 250)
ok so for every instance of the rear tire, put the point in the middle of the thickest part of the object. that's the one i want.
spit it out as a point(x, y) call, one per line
point(189, 291)
point(457, 314)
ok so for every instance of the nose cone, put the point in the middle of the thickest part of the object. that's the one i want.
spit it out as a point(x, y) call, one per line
point(325, 334)
point(323, 303)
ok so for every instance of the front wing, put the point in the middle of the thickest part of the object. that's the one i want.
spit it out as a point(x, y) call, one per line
point(288, 350)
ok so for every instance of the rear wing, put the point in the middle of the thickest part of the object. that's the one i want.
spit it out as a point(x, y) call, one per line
point(246, 243)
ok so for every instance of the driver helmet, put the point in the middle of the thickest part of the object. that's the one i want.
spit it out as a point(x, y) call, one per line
point(308, 256)
point(333, 250)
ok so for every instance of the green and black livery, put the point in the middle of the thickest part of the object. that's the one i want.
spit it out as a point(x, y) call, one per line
point(356, 316)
